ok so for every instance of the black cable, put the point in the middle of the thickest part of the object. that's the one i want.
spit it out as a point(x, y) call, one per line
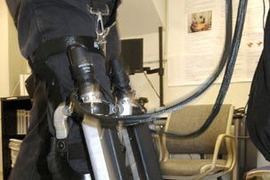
point(151, 84)
point(145, 118)
point(131, 120)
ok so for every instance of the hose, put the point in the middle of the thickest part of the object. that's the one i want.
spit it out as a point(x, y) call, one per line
point(229, 55)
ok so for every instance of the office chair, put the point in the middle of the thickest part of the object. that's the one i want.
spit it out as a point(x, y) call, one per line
point(215, 148)
point(260, 173)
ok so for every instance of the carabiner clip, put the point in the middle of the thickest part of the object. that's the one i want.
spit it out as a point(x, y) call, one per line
point(100, 25)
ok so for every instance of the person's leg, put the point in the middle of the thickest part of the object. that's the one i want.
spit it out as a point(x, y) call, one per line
point(52, 20)
point(30, 163)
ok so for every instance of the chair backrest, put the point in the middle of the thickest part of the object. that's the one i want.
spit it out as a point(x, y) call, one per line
point(189, 119)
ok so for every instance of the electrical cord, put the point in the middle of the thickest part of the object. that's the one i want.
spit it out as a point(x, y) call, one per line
point(151, 84)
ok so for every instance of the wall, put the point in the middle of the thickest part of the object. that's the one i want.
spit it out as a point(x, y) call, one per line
point(4, 90)
point(17, 64)
point(12, 63)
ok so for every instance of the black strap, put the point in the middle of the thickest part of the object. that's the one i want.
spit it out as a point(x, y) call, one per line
point(57, 46)
point(62, 166)
point(76, 151)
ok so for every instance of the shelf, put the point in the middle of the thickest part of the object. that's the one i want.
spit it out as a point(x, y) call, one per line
point(14, 136)
point(9, 107)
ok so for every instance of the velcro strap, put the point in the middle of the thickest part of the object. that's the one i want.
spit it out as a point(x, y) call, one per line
point(59, 45)
point(76, 151)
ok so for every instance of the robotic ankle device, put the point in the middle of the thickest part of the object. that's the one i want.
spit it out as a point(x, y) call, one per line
point(88, 88)
point(103, 143)
point(115, 152)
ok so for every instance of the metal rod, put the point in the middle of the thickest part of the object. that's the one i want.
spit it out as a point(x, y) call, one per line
point(161, 71)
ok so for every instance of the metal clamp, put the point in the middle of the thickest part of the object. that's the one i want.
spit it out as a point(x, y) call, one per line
point(100, 30)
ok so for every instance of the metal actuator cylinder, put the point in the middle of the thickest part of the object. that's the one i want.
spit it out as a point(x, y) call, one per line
point(83, 74)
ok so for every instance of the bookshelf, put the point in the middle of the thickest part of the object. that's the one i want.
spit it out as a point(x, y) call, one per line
point(10, 107)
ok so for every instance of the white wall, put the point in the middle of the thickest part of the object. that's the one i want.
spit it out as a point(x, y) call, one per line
point(17, 64)
point(12, 63)
point(4, 90)
point(236, 95)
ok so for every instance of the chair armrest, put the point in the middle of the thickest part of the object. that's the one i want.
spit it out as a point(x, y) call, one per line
point(159, 148)
point(231, 150)
point(232, 160)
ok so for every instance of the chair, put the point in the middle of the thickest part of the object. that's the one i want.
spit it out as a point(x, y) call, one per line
point(261, 173)
point(215, 149)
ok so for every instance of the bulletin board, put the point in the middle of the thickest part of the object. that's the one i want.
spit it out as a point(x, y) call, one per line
point(196, 35)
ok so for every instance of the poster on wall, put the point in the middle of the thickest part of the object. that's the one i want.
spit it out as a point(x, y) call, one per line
point(196, 35)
